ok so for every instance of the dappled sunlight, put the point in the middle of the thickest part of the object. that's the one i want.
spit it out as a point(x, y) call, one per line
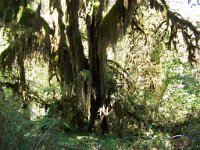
point(99, 74)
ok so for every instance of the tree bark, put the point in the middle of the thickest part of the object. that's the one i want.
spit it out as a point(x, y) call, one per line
point(78, 58)
point(97, 65)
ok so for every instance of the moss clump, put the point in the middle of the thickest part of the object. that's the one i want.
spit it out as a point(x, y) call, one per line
point(27, 17)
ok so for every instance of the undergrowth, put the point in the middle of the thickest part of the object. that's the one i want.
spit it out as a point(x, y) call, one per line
point(19, 132)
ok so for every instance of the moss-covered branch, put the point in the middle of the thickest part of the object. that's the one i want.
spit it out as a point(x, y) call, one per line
point(177, 23)
point(115, 23)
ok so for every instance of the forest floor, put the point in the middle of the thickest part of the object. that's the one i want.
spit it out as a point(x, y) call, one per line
point(189, 139)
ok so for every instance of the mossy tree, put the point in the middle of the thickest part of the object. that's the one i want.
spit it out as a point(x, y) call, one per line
point(61, 43)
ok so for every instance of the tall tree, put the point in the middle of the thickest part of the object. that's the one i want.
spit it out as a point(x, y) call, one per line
point(104, 27)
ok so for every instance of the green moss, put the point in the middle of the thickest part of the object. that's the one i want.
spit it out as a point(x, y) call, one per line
point(27, 17)
point(85, 75)
point(114, 24)
point(109, 26)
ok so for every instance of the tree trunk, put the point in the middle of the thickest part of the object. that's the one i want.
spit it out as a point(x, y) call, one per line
point(74, 37)
point(65, 63)
point(2, 103)
point(97, 66)
point(77, 56)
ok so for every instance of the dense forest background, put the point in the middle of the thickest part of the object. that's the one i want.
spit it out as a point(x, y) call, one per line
point(98, 74)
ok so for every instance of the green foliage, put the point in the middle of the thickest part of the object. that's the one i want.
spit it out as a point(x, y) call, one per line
point(19, 132)
point(158, 141)
point(153, 94)
point(85, 75)
point(15, 127)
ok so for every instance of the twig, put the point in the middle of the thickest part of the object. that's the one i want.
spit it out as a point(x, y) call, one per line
point(44, 135)
point(176, 136)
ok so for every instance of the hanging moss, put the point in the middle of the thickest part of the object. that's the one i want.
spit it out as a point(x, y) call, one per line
point(115, 23)
point(9, 10)
point(84, 90)
point(25, 46)
point(176, 23)
point(7, 16)
point(85, 75)
point(27, 18)
point(15, 50)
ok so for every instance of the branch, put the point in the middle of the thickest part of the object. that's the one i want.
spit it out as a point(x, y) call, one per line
point(179, 23)
point(44, 135)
